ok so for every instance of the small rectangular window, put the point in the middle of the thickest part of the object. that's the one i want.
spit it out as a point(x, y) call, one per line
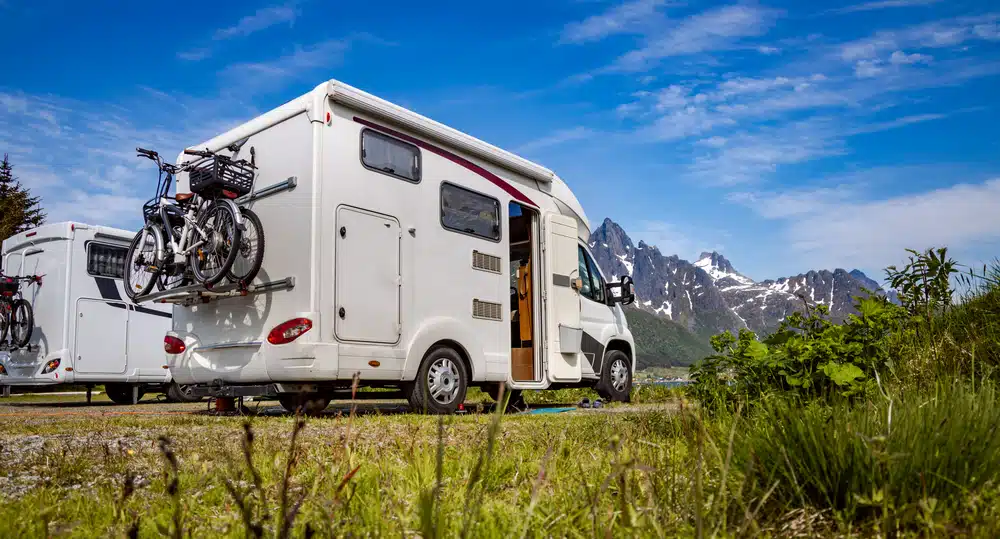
point(390, 156)
point(106, 260)
point(469, 212)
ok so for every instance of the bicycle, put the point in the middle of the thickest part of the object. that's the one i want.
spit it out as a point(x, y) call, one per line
point(16, 313)
point(190, 236)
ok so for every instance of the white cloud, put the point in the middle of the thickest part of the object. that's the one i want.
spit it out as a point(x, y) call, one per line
point(294, 65)
point(195, 55)
point(884, 4)
point(715, 29)
point(935, 34)
point(868, 68)
point(261, 19)
point(874, 233)
point(628, 17)
point(901, 58)
point(561, 136)
point(767, 50)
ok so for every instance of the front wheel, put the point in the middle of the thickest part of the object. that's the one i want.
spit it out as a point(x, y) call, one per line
point(211, 260)
point(141, 266)
point(22, 321)
point(616, 377)
point(441, 382)
point(250, 254)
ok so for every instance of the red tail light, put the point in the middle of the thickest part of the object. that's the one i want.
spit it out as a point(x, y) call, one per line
point(229, 194)
point(173, 345)
point(51, 366)
point(287, 332)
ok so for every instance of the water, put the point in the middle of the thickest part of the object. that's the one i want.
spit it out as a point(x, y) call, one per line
point(666, 383)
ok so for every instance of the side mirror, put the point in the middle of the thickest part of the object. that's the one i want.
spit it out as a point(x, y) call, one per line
point(621, 292)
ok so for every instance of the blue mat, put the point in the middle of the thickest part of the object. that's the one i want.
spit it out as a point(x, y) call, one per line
point(550, 410)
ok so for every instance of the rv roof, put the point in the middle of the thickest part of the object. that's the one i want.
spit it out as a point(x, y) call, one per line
point(376, 106)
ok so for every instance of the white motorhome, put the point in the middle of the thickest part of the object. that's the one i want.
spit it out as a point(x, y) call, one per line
point(84, 331)
point(405, 252)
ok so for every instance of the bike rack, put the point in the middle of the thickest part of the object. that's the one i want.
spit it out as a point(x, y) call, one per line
point(196, 293)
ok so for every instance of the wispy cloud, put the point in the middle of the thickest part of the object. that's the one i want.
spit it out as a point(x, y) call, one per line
point(931, 35)
point(261, 19)
point(715, 29)
point(883, 4)
point(561, 136)
point(195, 55)
point(628, 17)
point(842, 228)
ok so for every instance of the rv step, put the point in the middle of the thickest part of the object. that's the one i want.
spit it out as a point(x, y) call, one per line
point(196, 293)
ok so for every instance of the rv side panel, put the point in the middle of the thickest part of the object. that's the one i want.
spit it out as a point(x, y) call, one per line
point(281, 151)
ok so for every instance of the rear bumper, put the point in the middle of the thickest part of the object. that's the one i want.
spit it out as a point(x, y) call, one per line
point(25, 369)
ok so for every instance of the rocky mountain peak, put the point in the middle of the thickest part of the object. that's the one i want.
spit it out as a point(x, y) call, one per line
point(718, 267)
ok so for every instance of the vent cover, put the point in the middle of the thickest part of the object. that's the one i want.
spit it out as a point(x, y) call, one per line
point(487, 310)
point(486, 262)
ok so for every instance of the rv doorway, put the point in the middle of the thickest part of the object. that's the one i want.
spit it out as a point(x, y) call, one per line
point(523, 359)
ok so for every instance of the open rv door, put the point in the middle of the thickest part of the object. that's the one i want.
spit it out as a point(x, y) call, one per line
point(562, 304)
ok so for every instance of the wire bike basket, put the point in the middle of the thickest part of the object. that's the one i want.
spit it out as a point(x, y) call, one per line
point(220, 175)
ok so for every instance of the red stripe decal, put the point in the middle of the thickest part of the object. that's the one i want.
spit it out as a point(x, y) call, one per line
point(493, 178)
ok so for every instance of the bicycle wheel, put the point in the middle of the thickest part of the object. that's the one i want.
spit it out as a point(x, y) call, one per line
point(22, 321)
point(250, 255)
point(212, 260)
point(141, 266)
point(5, 308)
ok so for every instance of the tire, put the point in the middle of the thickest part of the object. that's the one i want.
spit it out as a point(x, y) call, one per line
point(311, 404)
point(22, 322)
point(616, 377)
point(139, 260)
point(5, 309)
point(443, 372)
point(121, 393)
point(250, 255)
point(179, 393)
point(211, 261)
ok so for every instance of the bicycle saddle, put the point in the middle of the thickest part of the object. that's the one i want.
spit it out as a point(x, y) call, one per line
point(181, 197)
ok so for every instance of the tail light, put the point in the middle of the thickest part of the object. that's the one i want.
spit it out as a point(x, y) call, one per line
point(51, 366)
point(3, 370)
point(287, 332)
point(173, 345)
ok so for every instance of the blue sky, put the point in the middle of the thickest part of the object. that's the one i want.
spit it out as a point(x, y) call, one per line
point(787, 135)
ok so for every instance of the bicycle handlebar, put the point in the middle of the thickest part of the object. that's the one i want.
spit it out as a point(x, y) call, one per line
point(199, 153)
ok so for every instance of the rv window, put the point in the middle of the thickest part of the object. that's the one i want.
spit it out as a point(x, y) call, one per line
point(596, 283)
point(470, 212)
point(106, 260)
point(586, 290)
point(390, 156)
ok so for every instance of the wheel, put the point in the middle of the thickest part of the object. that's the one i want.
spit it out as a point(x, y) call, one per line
point(121, 393)
point(616, 377)
point(22, 322)
point(441, 382)
point(514, 398)
point(250, 255)
point(5, 308)
point(309, 403)
point(212, 260)
point(180, 393)
point(142, 268)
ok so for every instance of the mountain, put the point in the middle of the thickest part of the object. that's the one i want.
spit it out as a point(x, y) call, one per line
point(710, 296)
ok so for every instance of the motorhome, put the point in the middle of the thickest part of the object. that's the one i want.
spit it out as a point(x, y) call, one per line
point(404, 253)
point(85, 332)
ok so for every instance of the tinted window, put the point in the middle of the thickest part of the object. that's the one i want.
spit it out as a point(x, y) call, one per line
point(587, 290)
point(391, 156)
point(597, 284)
point(470, 212)
point(106, 260)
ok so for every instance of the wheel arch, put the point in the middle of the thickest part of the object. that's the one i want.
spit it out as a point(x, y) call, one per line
point(624, 347)
point(458, 348)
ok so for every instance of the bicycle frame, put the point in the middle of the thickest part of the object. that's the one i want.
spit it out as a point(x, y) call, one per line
point(191, 235)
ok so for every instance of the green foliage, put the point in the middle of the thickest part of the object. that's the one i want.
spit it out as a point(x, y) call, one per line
point(19, 211)
point(808, 356)
point(924, 283)
point(663, 343)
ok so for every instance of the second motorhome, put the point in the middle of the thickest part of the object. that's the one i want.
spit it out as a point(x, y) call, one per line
point(406, 253)
point(84, 330)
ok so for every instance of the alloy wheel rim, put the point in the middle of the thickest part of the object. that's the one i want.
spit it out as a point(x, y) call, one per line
point(619, 375)
point(443, 380)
